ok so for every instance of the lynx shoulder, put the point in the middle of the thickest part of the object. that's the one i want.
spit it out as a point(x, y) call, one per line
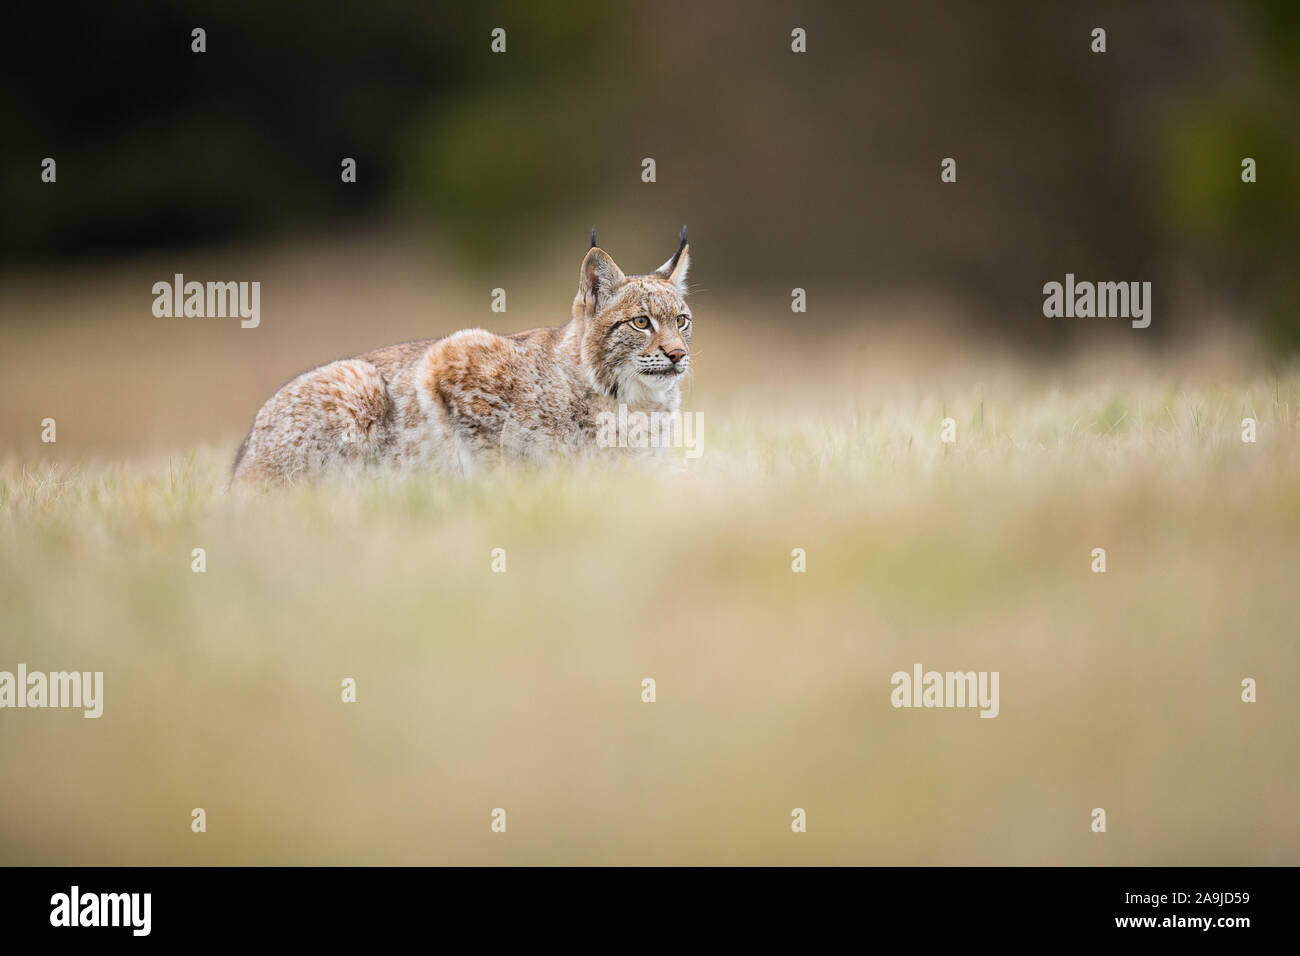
point(473, 398)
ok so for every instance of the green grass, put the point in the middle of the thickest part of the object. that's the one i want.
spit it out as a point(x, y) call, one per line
point(522, 690)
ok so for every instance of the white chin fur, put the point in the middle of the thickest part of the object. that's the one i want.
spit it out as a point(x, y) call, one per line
point(635, 387)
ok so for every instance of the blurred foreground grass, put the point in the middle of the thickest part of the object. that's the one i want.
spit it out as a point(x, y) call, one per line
point(522, 690)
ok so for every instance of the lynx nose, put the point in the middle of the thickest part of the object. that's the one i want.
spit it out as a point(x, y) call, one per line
point(676, 355)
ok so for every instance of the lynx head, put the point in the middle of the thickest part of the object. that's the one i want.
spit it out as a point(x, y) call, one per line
point(636, 330)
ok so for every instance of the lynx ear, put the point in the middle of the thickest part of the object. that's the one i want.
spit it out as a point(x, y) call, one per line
point(598, 279)
point(675, 269)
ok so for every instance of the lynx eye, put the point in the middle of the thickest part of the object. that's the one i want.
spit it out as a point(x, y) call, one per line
point(682, 320)
point(641, 322)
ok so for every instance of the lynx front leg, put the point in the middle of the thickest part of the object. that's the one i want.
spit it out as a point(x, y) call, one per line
point(333, 416)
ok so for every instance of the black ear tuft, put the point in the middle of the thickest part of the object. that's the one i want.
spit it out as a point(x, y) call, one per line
point(593, 237)
point(672, 264)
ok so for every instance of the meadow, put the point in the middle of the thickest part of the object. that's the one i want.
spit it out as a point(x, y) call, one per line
point(522, 690)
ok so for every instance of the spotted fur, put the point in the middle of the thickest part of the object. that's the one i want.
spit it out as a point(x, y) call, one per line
point(454, 404)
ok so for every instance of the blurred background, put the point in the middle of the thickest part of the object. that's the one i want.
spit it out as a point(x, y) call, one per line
point(820, 171)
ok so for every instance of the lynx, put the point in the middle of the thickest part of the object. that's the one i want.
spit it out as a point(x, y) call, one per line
point(455, 404)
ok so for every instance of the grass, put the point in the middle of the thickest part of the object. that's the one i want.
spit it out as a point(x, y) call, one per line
point(522, 690)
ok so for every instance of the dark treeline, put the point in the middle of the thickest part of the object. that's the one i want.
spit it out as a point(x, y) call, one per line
point(793, 169)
